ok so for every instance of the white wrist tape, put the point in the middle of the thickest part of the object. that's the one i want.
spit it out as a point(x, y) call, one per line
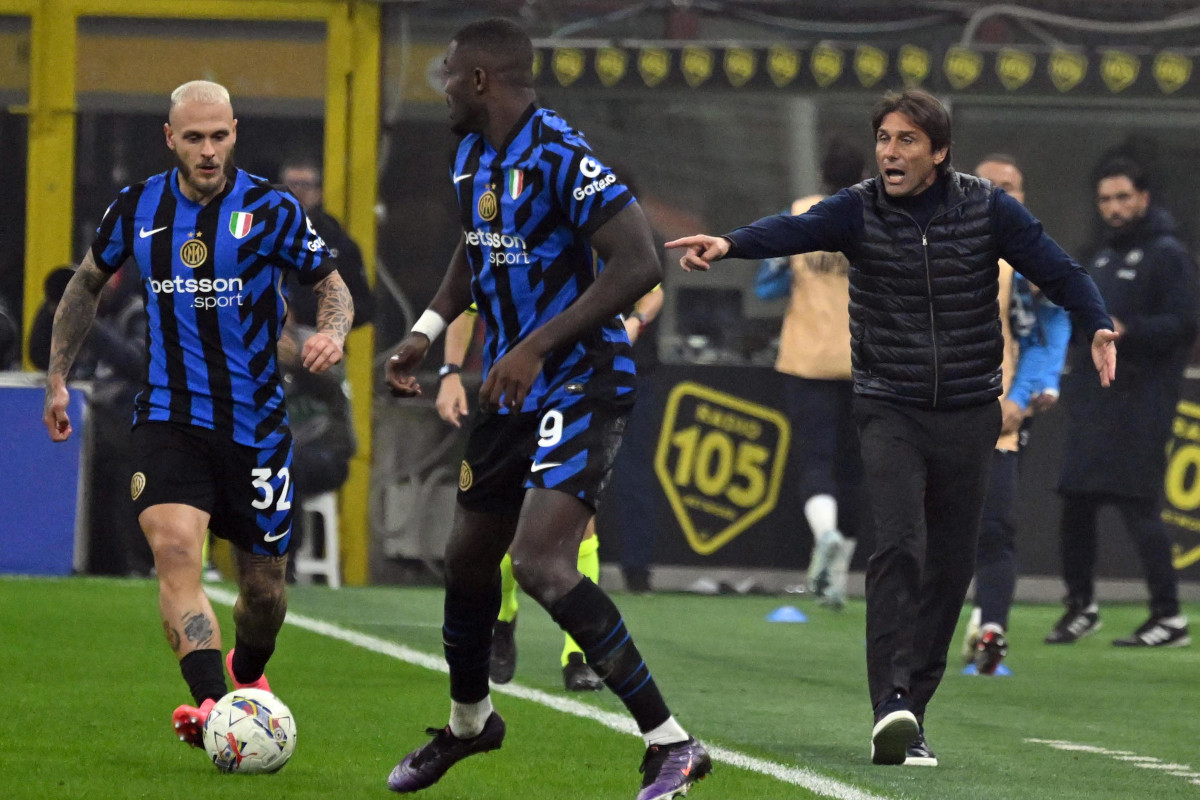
point(431, 324)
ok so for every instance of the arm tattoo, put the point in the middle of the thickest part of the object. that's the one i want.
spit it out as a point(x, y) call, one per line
point(197, 627)
point(74, 316)
point(335, 307)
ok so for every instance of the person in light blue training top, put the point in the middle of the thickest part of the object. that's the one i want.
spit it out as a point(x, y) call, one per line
point(1038, 332)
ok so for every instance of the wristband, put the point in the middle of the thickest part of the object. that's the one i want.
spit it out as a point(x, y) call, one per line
point(430, 325)
point(449, 369)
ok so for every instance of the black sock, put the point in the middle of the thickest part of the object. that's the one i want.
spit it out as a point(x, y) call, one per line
point(467, 641)
point(249, 661)
point(593, 621)
point(203, 672)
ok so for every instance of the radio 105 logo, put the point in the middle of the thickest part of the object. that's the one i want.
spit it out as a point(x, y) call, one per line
point(720, 460)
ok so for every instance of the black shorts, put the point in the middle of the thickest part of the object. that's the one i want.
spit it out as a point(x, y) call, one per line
point(569, 446)
point(246, 490)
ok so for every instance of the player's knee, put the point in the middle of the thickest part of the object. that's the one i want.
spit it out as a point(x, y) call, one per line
point(263, 595)
point(544, 579)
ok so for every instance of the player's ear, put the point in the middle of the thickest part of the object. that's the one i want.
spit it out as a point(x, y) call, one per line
point(169, 136)
point(479, 80)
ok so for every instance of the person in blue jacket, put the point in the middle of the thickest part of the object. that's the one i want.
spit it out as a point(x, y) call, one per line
point(1037, 332)
point(924, 242)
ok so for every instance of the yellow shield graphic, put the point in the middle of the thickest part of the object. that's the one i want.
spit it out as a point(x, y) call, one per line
point(568, 65)
point(697, 65)
point(783, 65)
point(914, 64)
point(826, 64)
point(1014, 67)
point(1172, 71)
point(962, 66)
point(136, 485)
point(740, 65)
point(1067, 69)
point(610, 65)
point(654, 64)
point(1182, 484)
point(1119, 69)
point(465, 477)
point(720, 460)
point(870, 64)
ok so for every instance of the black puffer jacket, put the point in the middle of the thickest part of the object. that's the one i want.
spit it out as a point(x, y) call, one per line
point(924, 319)
point(1117, 436)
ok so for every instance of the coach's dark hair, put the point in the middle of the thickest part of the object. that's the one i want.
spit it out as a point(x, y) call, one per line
point(926, 111)
point(507, 42)
point(842, 164)
point(1123, 167)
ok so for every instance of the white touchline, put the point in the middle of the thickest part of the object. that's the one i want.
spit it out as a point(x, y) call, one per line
point(1128, 756)
point(818, 784)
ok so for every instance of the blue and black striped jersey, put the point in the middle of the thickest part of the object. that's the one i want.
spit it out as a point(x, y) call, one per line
point(528, 211)
point(211, 276)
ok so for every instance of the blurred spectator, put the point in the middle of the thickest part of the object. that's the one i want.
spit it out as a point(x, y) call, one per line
point(303, 179)
point(1116, 443)
point(323, 440)
point(814, 358)
point(113, 358)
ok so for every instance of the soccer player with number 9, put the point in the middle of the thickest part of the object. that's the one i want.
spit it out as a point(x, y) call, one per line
point(558, 385)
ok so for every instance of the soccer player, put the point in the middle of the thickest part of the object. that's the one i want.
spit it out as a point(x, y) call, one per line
point(452, 407)
point(534, 203)
point(211, 441)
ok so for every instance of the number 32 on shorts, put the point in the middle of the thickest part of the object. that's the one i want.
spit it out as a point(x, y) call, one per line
point(262, 483)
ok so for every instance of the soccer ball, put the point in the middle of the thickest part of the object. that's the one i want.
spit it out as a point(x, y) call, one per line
point(251, 731)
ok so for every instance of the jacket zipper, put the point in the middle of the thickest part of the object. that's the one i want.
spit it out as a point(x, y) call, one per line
point(937, 380)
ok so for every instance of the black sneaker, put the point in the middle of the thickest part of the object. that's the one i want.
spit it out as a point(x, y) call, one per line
point(671, 769)
point(579, 677)
point(1075, 624)
point(895, 728)
point(504, 651)
point(919, 754)
point(426, 765)
point(990, 650)
point(1159, 632)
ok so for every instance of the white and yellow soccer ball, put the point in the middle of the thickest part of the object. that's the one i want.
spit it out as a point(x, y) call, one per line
point(250, 731)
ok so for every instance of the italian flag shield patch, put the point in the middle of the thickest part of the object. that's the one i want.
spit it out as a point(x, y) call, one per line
point(239, 223)
point(516, 183)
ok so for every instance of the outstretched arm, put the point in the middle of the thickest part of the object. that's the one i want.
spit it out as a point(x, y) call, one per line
point(72, 321)
point(335, 314)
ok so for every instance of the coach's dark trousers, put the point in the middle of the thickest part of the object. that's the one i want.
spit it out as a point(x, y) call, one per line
point(926, 477)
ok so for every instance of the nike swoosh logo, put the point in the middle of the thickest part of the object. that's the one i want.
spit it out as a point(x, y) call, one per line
point(143, 233)
point(275, 537)
point(460, 178)
point(546, 465)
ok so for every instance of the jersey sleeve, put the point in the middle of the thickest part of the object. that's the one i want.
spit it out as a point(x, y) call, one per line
point(299, 245)
point(589, 192)
point(114, 238)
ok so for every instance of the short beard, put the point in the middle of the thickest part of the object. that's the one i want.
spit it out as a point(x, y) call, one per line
point(230, 168)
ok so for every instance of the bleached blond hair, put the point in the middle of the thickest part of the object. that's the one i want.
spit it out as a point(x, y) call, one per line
point(199, 92)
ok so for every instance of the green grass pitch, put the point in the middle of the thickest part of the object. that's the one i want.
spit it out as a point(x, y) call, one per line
point(89, 684)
